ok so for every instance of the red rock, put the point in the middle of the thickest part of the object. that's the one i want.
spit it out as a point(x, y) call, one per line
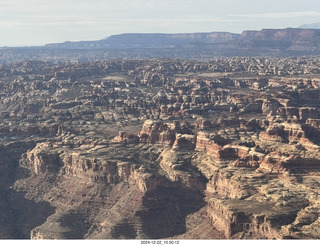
point(313, 122)
point(43, 161)
point(202, 123)
point(272, 163)
point(308, 112)
point(251, 161)
point(277, 163)
point(124, 137)
point(218, 147)
point(270, 106)
point(229, 122)
point(297, 162)
point(185, 142)
point(156, 132)
point(205, 143)
point(274, 133)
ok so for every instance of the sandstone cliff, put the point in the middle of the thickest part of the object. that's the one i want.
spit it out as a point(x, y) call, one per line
point(160, 149)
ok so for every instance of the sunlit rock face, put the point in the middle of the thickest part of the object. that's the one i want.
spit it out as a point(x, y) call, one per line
point(160, 149)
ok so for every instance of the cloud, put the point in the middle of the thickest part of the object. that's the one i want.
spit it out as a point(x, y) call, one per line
point(8, 24)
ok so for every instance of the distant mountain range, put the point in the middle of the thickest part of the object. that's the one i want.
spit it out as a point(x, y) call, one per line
point(289, 41)
point(156, 40)
point(311, 26)
point(266, 42)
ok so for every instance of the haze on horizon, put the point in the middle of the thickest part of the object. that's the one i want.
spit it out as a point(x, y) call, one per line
point(38, 22)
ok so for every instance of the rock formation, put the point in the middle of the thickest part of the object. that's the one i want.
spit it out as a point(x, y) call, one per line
point(160, 149)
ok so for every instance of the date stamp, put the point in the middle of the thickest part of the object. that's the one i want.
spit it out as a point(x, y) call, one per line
point(160, 242)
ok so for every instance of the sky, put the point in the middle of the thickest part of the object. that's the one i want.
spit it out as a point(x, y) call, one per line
point(38, 22)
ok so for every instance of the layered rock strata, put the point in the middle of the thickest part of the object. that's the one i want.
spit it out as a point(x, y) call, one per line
point(160, 149)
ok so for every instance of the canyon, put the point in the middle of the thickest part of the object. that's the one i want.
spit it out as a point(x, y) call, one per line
point(226, 148)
